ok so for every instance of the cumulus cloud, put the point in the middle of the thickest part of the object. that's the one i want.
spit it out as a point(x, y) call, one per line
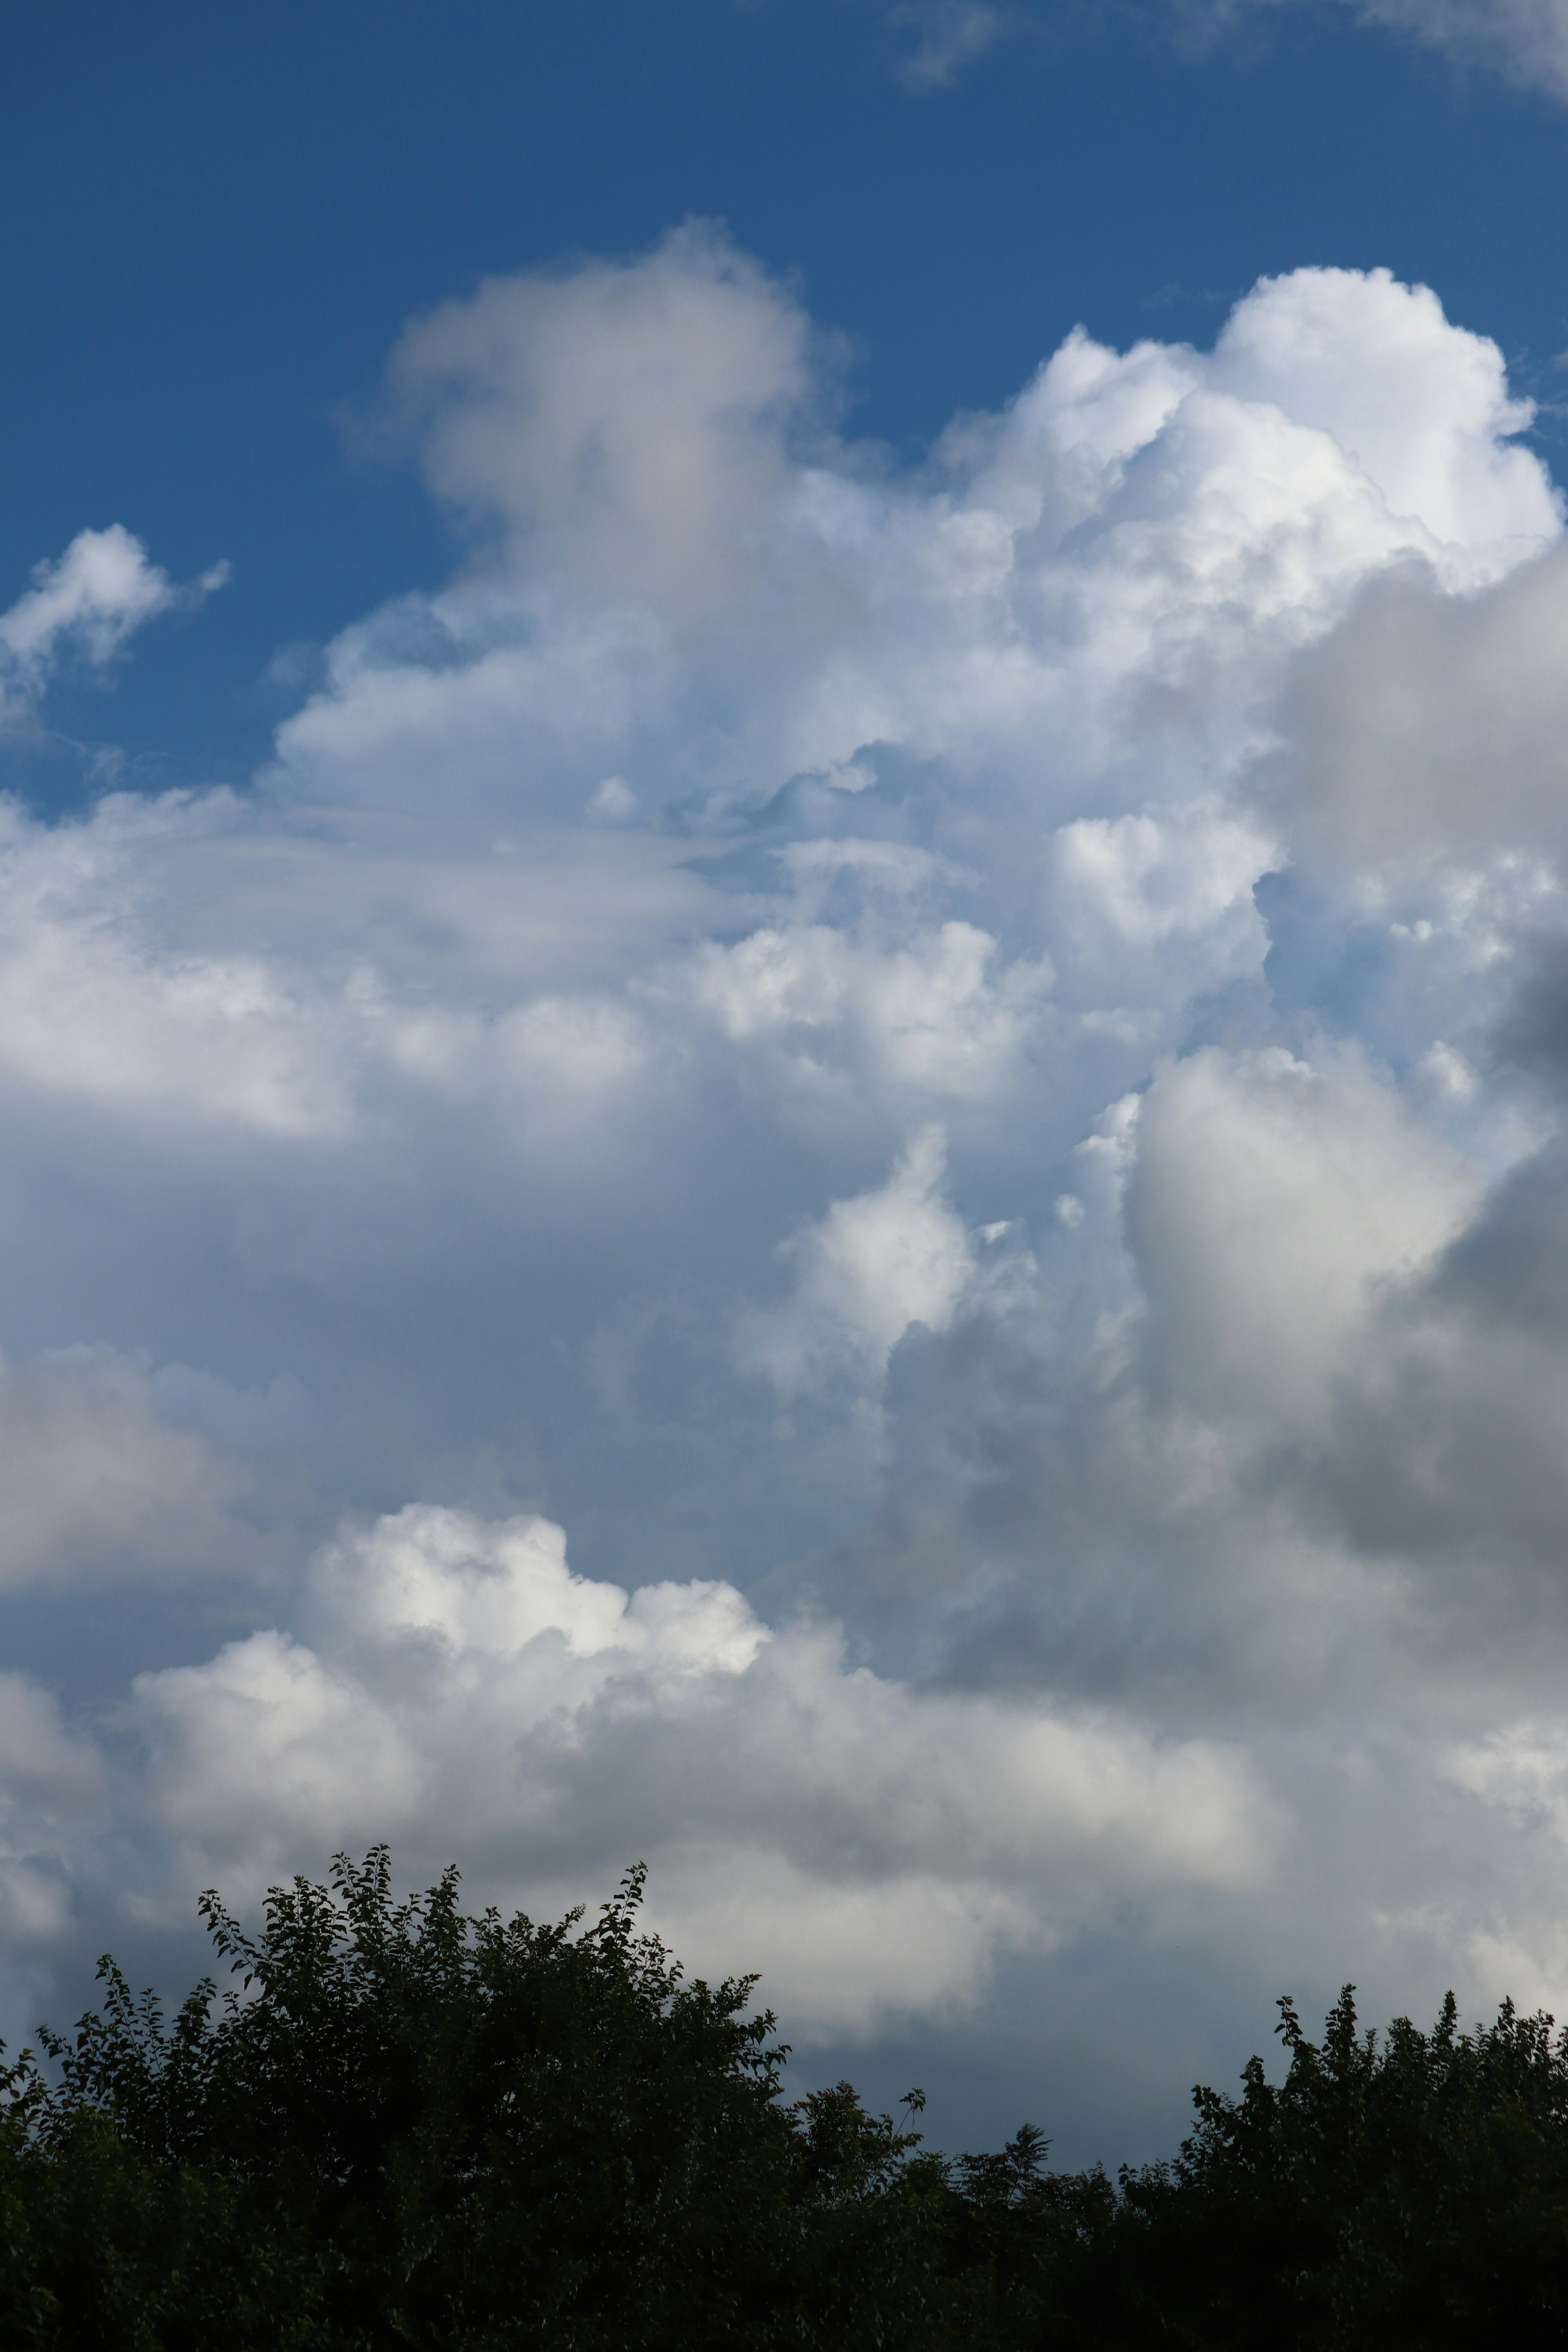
point(931, 1018)
point(959, 1069)
point(98, 1487)
point(53, 1787)
point(619, 423)
point(1426, 412)
point(458, 1666)
point(1425, 732)
point(101, 589)
point(1268, 1199)
point(871, 1267)
point(1125, 557)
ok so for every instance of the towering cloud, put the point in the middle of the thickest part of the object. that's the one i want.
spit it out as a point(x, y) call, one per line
point(958, 1072)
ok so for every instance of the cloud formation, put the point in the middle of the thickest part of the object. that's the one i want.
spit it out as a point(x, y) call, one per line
point(101, 589)
point(945, 36)
point(460, 1669)
point(957, 1071)
point(1524, 40)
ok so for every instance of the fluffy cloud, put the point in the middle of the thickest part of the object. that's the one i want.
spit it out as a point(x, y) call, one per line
point(1268, 1200)
point(959, 1070)
point(620, 423)
point(52, 1793)
point(926, 1020)
point(871, 1268)
point(98, 1487)
point(97, 595)
point(1425, 732)
point(458, 1667)
point(1118, 565)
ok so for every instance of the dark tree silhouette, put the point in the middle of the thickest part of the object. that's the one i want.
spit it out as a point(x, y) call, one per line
point(401, 2125)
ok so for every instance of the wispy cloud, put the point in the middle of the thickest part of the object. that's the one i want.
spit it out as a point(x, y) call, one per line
point(944, 36)
point(1525, 41)
point(89, 602)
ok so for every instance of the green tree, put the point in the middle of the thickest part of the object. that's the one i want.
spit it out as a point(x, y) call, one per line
point(407, 2126)
point(398, 2125)
point(1407, 2189)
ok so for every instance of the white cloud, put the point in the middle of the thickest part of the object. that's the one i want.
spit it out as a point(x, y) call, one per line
point(1148, 878)
point(98, 1007)
point(871, 1267)
point(53, 1788)
point(1123, 559)
point(1424, 411)
point(1157, 908)
point(1269, 1199)
point(927, 1017)
point(459, 1665)
point(1049, 960)
point(619, 422)
point(96, 596)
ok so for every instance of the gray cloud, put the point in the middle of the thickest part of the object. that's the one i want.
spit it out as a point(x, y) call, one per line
point(956, 1072)
point(1427, 730)
point(99, 1488)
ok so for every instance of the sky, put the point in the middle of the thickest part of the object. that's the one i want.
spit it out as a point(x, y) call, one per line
point(784, 1005)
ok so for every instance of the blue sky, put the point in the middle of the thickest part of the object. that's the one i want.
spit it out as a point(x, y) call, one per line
point(220, 223)
point(783, 927)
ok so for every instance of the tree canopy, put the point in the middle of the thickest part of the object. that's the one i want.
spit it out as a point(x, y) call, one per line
point(399, 2125)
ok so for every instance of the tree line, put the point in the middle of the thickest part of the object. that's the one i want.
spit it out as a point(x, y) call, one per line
point(398, 2125)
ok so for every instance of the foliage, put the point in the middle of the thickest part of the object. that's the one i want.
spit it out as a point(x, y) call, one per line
point(1404, 2191)
point(405, 2125)
point(402, 2125)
